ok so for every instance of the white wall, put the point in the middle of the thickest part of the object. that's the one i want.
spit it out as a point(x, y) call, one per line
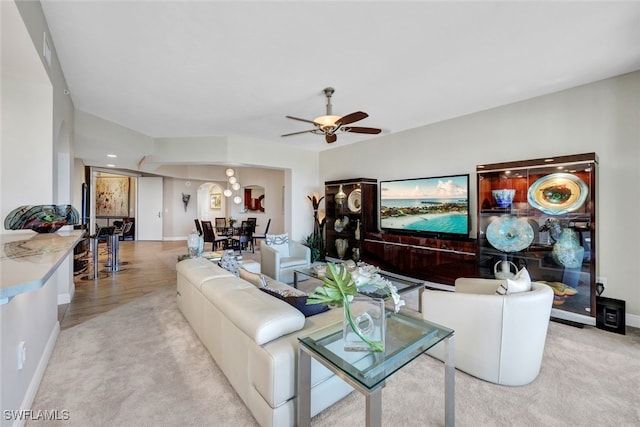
point(299, 166)
point(273, 182)
point(26, 177)
point(603, 117)
point(178, 223)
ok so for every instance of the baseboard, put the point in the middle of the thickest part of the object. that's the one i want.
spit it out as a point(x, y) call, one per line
point(632, 320)
point(34, 385)
point(64, 298)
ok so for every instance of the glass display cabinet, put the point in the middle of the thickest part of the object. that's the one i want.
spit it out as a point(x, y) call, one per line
point(541, 214)
point(350, 212)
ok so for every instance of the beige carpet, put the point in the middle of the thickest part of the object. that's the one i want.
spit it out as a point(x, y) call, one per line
point(141, 365)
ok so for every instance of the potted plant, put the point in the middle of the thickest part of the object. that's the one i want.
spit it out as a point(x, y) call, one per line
point(340, 289)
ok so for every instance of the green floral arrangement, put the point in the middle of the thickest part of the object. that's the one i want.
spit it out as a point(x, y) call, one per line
point(339, 288)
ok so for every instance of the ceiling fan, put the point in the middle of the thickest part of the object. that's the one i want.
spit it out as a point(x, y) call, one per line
point(330, 125)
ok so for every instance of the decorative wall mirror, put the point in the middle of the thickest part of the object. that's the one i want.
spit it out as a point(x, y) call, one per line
point(254, 198)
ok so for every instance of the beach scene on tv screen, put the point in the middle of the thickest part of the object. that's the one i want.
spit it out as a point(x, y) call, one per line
point(438, 205)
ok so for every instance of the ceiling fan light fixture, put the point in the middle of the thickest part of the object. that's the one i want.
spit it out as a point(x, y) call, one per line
point(329, 125)
point(327, 121)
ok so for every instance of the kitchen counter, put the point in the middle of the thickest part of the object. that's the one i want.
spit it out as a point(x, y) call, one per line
point(27, 260)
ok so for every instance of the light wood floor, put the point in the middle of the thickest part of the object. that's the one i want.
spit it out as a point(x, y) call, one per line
point(144, 267)
point(149, 267)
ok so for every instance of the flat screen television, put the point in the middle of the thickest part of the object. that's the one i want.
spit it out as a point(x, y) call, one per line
point(435, 206)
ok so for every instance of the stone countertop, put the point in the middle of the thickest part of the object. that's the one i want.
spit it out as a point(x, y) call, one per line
point(27, 260)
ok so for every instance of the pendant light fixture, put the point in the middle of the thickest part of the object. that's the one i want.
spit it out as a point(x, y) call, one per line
point(230, 174)
point(235, 185)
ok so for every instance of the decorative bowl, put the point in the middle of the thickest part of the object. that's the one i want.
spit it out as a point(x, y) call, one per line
point(509, 234)
point(503, 197)
point(41, 218)
point(558, 193)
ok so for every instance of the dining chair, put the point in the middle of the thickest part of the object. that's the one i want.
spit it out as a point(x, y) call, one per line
point(198, 226)
point(221, 223)
point(243, 237)
point(209, 235)
point(263, 235)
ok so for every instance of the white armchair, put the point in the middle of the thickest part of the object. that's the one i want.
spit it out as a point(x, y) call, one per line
point(282, 256)
point(498, 338)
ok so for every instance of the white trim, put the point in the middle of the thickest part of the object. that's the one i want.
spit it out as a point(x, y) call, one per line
point(632, 320)
point(34, 385)
point(573, 317)
point(64, 298)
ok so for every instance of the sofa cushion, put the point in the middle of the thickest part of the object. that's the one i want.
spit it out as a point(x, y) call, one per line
point(279, 242)
point(255, 279)
point(521, 282)
point(199, 270)
point(260, 316)
point(298, 301)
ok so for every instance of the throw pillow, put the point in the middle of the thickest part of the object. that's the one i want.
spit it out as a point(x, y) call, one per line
point(521, 282)
point(286, 292)
point(279, 242)
point(255, 279)
point(229, 262)
point(297, 301)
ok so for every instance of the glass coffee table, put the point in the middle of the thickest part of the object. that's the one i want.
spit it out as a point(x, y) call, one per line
point(402, 284)
point(406, 338)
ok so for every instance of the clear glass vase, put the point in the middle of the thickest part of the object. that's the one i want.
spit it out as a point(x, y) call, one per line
point(363, 326)
point(193, 244)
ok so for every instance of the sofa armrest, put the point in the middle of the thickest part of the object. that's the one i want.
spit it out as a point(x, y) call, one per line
point(262, 317)
point(298, 250)
point(269, 261)
point(477, 324)
point(477, 285)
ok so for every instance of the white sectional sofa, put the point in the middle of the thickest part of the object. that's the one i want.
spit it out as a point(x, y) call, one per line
point(252, 337)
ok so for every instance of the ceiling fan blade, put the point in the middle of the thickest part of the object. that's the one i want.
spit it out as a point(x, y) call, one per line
point(356, 129)
point(331, 138)
point(350, 118)
point(298, 133)
point(302, 120)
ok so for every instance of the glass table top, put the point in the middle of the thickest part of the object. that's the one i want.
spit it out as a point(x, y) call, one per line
point(402, 285)
point(406, 338)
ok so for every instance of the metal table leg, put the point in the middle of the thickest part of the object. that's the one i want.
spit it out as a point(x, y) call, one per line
point(449, 382)
point(303, 413)
point(374, 408)
point(94, 252)
point(114, 244)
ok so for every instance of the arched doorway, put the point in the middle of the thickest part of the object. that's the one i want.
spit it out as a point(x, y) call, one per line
point(211, 203)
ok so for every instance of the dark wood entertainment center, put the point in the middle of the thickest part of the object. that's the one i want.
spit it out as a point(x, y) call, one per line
point(438, 260)
point(548, 226)
point(432, 259)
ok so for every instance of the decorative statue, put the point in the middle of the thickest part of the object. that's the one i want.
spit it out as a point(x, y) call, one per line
point(315, 241)
point(185, 200)
point(341, 247)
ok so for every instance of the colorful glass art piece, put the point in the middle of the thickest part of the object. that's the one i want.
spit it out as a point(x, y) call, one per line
point(41, 218)
point(558, 193)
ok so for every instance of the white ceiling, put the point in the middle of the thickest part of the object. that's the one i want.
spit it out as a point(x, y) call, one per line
point(211, 68)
